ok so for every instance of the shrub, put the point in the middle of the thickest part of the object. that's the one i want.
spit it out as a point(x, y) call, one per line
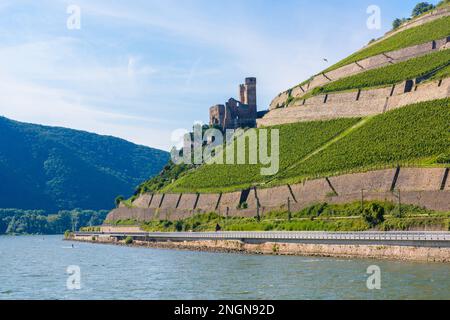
point(421, 8)
point(118, 200)
point(128, 240)
point(373, 214)
point(397, 23)
point(179, 226)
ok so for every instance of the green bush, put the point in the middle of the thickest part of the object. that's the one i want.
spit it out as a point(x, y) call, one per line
point(128, 240)
point(422, 8)
point(373, 214)
point(319, 217)
point(389, 75)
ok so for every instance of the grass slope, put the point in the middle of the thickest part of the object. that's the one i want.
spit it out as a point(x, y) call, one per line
point(296, 141)
point(388, 75)
point(319, 217)
point(434, 30)
point(418, 134)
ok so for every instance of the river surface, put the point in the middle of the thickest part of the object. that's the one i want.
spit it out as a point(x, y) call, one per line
point(35, 267)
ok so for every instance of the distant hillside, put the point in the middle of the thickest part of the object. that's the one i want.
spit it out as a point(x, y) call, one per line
point(51, 168)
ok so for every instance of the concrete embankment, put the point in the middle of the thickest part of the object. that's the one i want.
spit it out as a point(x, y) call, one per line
point(403, 251)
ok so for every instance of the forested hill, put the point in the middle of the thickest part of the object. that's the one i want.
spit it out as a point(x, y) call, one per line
point(52, 168)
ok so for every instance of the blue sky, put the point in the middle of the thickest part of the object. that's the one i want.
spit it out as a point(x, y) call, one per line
point(140, 69)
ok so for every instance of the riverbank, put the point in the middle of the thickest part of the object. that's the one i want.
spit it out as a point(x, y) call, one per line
point(381, 252)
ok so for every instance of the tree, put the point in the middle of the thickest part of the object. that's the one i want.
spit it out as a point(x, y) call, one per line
point(421, 8)
point(373, 214)
point(397, 23)
point(443, 2)
point(118, 200)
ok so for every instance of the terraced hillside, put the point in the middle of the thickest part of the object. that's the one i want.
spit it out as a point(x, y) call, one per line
point(391, 74)
point(416, 135)
point(296, 141)
point(428, 32)
point(379, 116)
point(414, 53)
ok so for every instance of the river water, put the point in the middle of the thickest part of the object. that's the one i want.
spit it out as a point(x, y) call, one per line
point(35, 267)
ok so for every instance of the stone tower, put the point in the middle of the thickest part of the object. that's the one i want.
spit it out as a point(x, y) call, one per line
point(250, 92)
point(247, 92)
point(237, 114)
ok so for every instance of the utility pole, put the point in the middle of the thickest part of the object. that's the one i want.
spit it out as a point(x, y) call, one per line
point(289, 209)
point(399, 198)
point(362, 201)
point(258, 217)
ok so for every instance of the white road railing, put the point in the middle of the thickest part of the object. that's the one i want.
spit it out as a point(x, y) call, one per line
point(284, 235)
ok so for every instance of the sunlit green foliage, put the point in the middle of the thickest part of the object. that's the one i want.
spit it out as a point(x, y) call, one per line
point(413, 134)
point(437, 29)
point(296, 141)
point(391, 74)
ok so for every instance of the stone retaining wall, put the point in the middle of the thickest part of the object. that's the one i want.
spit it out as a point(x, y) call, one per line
point(357, 103)
point(374, 62)
point(418, 186)
point(404, 253)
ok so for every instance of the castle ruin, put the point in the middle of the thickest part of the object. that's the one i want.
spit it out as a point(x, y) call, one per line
point(237, 114)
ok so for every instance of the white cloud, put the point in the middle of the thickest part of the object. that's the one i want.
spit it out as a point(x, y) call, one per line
point(32, 103)
point(110, 79)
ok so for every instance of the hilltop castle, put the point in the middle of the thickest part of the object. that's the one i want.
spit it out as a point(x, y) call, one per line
point(237, 114)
